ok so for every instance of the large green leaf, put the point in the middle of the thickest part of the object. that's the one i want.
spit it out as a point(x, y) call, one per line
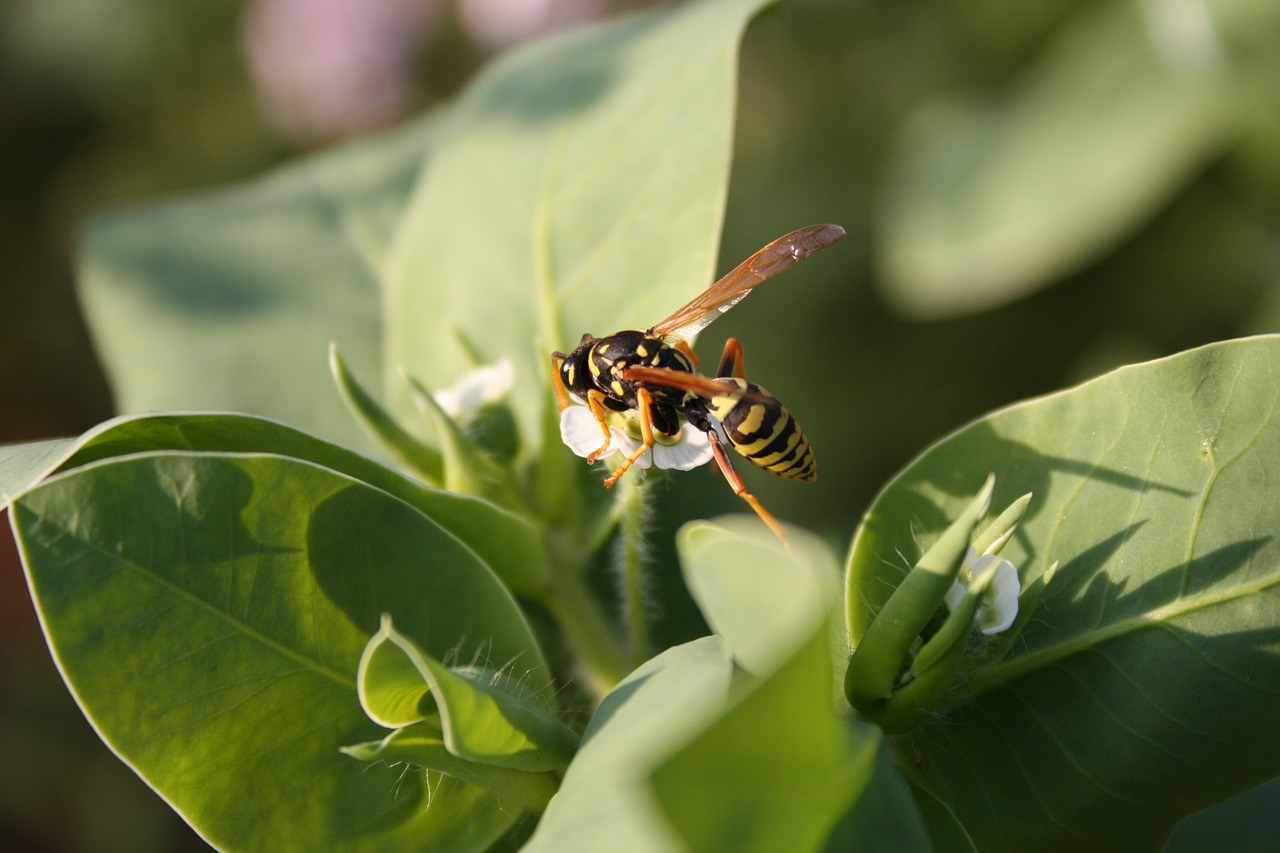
point(579, 188)
point(230, 301)
point(510, 544)
point(996, 196)
point(209, 611)
point(1147, 683)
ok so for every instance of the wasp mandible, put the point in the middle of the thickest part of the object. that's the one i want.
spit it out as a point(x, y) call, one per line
point(654, 372)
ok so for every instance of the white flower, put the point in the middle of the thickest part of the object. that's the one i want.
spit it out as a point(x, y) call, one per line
point(581, 432)
point(477, 389)
point(999, 603)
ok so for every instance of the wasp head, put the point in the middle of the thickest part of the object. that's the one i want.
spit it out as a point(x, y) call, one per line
point(575, 372)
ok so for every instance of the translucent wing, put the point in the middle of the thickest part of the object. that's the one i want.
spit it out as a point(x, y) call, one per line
point(781, 254)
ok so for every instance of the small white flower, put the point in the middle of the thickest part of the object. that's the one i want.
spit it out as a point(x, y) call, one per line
point(479, 388)
point(999, 603)
point(581, 433)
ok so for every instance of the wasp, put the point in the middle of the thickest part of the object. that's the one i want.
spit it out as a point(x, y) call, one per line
point(654, 373)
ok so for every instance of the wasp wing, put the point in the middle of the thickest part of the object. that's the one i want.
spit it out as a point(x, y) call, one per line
point(694, 383)
point(781, 254)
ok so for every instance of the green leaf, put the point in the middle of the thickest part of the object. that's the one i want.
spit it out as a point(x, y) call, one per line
point(994, 197)
point(468, 467)
point(762, 596)
point(424, 461)
point(1145, 686)
point(604, 802)
point(483, 714)
point(510, 544)
point(230, 301)
point(579, 188)
point(883, 817)
point(24, 464)
point(782, 764)
point(209, 611)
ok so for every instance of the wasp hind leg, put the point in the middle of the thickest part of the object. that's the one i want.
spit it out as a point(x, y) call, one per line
point(731, 362)
point(740, 488)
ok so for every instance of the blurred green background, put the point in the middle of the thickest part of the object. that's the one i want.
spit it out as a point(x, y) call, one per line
point(1034, 194)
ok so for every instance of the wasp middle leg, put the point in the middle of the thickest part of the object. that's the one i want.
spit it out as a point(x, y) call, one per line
point(644, 402)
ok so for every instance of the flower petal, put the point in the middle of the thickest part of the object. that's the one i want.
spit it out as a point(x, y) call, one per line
point(691, 449)
point(1000, 602)
point(580, 431)
point(477, 389)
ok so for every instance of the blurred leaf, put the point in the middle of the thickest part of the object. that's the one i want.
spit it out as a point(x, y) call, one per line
point(763, 597)
point(1250, 823)
point(778, 768)
point(883, 817)
point(1145, 685)
point(209, 611)
point(603, 802)
point(996, 196)
point(579, 188)
point(24, 464)
point(230, 301)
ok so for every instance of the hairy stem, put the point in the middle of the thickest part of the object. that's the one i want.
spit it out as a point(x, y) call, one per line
point(590, 634)
point(631, 546)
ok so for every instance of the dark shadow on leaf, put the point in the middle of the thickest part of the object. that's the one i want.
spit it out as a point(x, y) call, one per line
point(1084, 571)
point(1018, 467)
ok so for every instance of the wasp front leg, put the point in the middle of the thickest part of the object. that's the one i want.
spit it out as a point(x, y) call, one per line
point(645, 402)
point(557, 381)
point(595, 402)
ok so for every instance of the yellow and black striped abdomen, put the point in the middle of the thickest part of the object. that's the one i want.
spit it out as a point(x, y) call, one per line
point(760, 428)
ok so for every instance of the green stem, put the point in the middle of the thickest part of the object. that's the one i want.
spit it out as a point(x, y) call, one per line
point(632, 545)
point(588, 632)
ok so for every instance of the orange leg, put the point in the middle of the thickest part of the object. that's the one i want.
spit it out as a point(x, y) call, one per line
point(562, 394)
point(684, 347)
point(594, 402)
point(644, 399)
point(731, 362)
point(740, 488)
